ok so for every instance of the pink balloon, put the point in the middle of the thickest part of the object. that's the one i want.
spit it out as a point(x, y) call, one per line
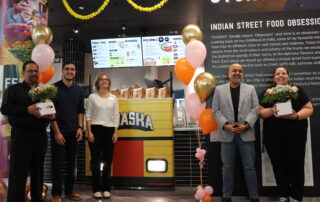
point(190, 87)
point(200, 193)
point(43, 55)
point(196, 52)
point(203, 151)
point(193, 106)
point(198, 150)
point(198, 155)
point(208, 190)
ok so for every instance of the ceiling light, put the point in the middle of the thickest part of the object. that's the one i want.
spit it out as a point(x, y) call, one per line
point(123, 27)
point(81, 8)
point(76, 30)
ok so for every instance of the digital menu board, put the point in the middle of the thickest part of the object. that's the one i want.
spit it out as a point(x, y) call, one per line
point(117, 52)
point(162, 50)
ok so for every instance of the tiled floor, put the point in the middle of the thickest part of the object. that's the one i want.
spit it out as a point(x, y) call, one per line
point(180, 194)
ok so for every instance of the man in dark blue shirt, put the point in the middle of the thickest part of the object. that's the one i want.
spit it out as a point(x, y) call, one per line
point(66, 131)
point(28, 136)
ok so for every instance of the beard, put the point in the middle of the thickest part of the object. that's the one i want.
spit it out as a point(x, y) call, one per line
point(33, 79)
point(69, 77)
point(236, 79)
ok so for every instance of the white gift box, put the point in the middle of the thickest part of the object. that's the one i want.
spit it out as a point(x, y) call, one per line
point(46, 108)
point(284, 108)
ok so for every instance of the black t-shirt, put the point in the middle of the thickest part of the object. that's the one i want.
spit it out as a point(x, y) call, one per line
point(69, 102)
point(235, 94)
point(15, 105)
point(279, 126)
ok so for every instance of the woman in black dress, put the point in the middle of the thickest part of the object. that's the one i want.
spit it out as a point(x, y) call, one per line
point(285, 139)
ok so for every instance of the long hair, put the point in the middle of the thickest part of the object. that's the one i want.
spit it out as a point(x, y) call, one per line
point(96, 86)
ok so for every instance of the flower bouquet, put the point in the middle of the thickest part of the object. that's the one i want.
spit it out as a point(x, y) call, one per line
point(43, 94)
point(281, 97)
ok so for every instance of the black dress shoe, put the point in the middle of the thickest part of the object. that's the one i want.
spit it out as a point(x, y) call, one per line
point(254, 200)
point(226, 200)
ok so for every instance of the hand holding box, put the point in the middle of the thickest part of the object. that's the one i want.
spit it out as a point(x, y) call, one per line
point(46, 108)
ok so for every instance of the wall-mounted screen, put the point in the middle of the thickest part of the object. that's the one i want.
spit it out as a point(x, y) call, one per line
point(162, 50)
point(117, 52)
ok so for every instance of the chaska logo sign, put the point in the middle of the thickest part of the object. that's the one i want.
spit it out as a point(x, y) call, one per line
point(135, 120)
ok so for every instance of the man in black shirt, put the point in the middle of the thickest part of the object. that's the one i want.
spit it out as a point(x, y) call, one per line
point(66, 132)
point(235, 108)
point(28, 136)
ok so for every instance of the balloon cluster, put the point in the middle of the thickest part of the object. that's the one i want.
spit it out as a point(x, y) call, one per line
point(200, 154)
point(204, 194)
point(42, 53)
point(200, 84)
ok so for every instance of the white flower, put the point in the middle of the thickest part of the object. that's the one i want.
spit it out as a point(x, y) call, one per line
point(294, 89)
point(269, 91)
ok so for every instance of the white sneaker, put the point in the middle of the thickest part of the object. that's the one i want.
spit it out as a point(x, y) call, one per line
point(293, 200)
point(97, 194)
point(283, 199)
point(106, 194)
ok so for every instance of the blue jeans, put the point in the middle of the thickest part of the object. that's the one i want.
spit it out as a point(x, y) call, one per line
point(247, 154)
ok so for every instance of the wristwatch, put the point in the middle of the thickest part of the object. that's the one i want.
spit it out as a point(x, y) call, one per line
point(81, 127)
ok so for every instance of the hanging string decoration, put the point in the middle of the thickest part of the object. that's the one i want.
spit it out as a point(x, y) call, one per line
point(85, 17)
point(147, 9)
point(104, 5)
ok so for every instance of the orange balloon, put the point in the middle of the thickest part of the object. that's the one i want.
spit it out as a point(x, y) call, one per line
point(207, 198)
point(207, 122)
point(44, 77)
point(184, 71)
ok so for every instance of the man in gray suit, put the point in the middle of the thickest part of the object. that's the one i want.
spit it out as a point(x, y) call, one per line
point(235, 108)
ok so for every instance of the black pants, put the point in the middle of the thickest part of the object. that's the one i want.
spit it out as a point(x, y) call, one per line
point(101, 152)
point(67, 152)
point(27, 154)
point(287, 153)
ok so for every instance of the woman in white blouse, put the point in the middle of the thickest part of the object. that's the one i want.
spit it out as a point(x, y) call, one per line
point(102, 118)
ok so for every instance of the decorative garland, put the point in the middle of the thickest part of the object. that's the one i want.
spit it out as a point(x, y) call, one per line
point(85, 17)
point(147, 9)
point(105, 3)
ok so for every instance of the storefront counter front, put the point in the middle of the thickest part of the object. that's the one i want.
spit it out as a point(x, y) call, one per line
point(144, 153)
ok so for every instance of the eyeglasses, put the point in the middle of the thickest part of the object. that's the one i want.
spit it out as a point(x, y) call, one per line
point(103, 79)
point(237, 70)
point(69, 69)
point(32, 71)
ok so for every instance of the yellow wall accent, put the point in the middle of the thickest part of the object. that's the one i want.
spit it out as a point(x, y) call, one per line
point(161, 149)
point(161, 112)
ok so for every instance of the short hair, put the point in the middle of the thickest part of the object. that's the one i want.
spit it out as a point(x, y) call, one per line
point(96, 86)
point(67, 63)
point(230, 67)
point(24, 66)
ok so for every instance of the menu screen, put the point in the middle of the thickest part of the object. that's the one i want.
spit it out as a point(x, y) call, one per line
point(162, 50)
point(118, 52)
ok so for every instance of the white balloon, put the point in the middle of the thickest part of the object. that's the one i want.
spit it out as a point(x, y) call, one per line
point(190, 87)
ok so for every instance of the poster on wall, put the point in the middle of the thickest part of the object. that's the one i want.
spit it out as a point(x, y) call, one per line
point(18, 20)
point(9, 74)
point(162, 50)
point(117, 52)
point(262, 35)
